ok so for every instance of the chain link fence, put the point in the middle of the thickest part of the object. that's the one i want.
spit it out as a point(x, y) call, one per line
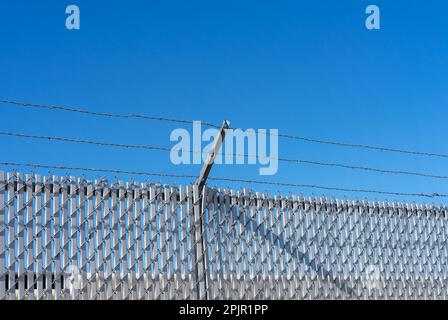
point(68, 238)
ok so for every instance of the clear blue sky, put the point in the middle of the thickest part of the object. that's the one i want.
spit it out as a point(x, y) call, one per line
point(308, 68)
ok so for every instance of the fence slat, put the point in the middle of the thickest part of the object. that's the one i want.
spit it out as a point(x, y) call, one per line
point(99, 244)
point(122, 287)
point(154, 256)
point(146, 242)
point(38, 216)
point(11, 237)
point(91, 287)
point(139, 241)
point(116, 242)
point(107, 243)
point(73, 236)
point(65, 238)
point(57, 232)
point(83, 239)
point(3, 244)
point(131, 251)
point(142, 242)
point(20, 236)
point(46, 244)
point(183, 244)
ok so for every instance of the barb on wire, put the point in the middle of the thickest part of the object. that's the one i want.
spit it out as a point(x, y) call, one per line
point(137, 173)
point(299, 161)
point(359, 146)
point(99, 143)
point(281, 135)
point(259, 182)
point(103, 114)
point(311, 186)
point(345, 166)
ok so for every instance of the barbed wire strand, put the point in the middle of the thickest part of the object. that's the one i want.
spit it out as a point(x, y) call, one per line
point(103, 114)
point(184, 121)
point(364, 146)
point(283, 184)
point(80, 141)
point(298, 161)
point(137, 173)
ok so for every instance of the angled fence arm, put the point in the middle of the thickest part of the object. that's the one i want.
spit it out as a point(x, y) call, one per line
point(207, 167)
point(201, 254)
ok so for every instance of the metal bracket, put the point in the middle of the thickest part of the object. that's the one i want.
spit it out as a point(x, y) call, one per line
point(202, 179)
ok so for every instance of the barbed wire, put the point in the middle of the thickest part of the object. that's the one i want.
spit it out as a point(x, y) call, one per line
point(184, 121)
point(364, 146)
point(136, 173)
point(345, 166)
point(259, 182)
point(80, 141)
point(247, 156)
point(103, 114)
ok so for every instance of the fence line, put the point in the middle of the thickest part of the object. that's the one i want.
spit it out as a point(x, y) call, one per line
point(70, 238)
point(208, 124)
point(246, 156)
point(258, 182)
point(102, 114)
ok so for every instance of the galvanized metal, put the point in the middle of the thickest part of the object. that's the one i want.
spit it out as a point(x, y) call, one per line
point(68, 238)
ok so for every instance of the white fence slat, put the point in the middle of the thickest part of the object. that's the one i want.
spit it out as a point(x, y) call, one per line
point(146, 245)
point(227, 244)
point(192, 242)
point(154, 253)
point(250, 227)
point(183, 245)
point(234, 249)
point(115, 240)
point(57, 232)
point(20, 215)
point(99, 244)
point(164, 242)
point(11, 237)
point(217, 264)
point(82, 239)
point(107, 243)
point(169, 239)
point(65, 238)
point(39, 236)
point(3, 244)
point(73, 236)
point(46, 243)
point(138, 199)
point(258, 244)
point(270, 235)
point(176, 242)
point(131, 251)
point(122, 288)
point(135, 254)
point(129, 211)
point(209, 234)
point(91, 277)
point(240, 254)
point(170, 243)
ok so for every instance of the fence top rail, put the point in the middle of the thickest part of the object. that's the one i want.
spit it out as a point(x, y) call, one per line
point(103, 187)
